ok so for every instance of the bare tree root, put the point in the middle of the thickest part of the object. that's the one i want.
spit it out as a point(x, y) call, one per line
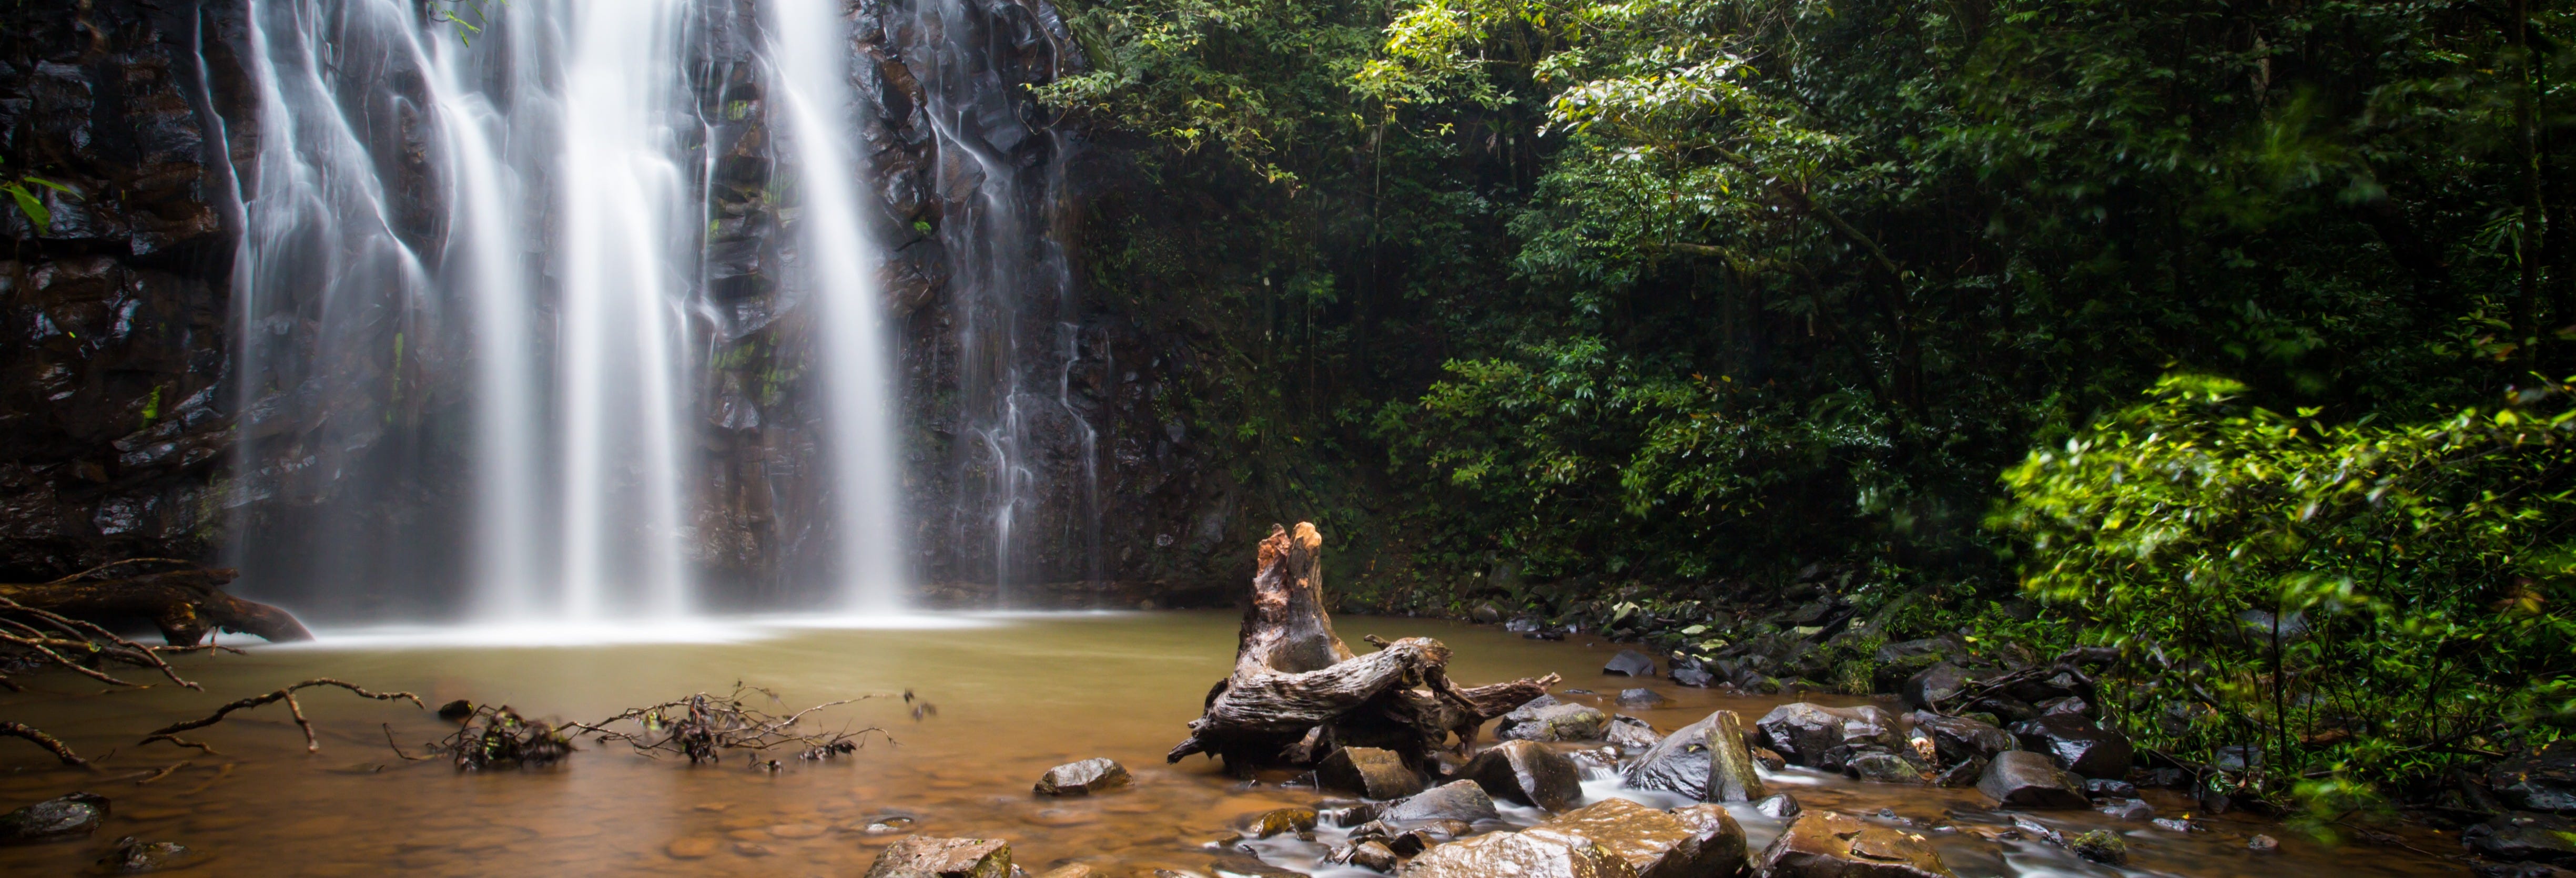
point(51, 744)
point(171, 733)
point(58, 631)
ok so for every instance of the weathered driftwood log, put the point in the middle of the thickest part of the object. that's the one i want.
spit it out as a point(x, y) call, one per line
point(184, 603)
point(1297, 692)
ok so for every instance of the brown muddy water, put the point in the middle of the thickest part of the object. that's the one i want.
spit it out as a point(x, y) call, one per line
point(1015, 695)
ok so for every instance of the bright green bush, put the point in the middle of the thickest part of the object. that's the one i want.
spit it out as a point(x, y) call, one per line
point(2365, 601)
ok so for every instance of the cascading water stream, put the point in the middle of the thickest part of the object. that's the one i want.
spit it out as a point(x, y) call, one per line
point(809, 59)
point(473, 285)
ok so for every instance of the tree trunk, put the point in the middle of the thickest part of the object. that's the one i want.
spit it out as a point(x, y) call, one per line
point(1297, 692)
point(184, 604)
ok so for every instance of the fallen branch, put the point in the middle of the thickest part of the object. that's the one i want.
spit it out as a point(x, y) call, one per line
point(51, 744)
point(171, 733)
point(165, 771)
point(185, 604)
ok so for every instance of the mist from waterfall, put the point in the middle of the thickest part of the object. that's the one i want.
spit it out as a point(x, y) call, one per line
point(529, 211)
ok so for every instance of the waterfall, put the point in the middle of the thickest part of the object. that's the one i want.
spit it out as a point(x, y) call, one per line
point(473, 288)
point(809, 55)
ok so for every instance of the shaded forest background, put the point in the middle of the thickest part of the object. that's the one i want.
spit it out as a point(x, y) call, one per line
point(1616, 314)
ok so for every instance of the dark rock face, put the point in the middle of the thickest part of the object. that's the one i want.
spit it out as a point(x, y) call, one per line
point(113, 416)
point(1641, 698)
point(1630, 663)
point(1677, 764)
point(1934, 685)
point(1631, 734)
point(2076, 744)
point(2029, 780)
point(1824, 844)
point(66, 817)
point(1687, 843)
point(2540, 780)
point(1525, 772)
point(1083, 778)
point(1457, 800)
point(1817, 736)
point(920, 857)
point(2524, 837)
point(1368, 772)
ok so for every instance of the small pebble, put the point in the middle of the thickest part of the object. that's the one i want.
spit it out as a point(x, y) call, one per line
point(2263, 844)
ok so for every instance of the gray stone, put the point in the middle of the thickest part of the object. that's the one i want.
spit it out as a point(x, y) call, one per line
point(1368, 772)
point(2541, 780)
point(2128, 809)
point(1528, 773)
point(1817, 736)
point(1247, 866)
point(2104, 787)
point(1631, 734)
point(1707, 760)
point(2100, 846)
point(2523, 837)
point(1934, 686)
point(2029, 780)
point(1641, 697)
point(1459, 800)
point(1882, 767)
point(1521, 855)
point(922, 857)
point(1688, 843)
point(2076, 744)
point(1630, 663)
point(131, 857)
point(1957, 738)
point(1372, 855)
point(1554, 722)
point(64, 817)
point(1779, 807)
point(1824, 844)
point(1083, 778)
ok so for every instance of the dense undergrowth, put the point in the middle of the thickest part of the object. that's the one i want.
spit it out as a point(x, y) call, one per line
point(1633, 315)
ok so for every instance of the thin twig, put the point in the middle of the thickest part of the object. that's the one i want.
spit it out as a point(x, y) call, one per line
point(52, 744)
point(165, 772)
point(398, 750)
point(170, 733)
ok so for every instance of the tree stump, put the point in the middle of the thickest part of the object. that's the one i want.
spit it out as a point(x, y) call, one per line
point(1298, 693)
point(184, 604)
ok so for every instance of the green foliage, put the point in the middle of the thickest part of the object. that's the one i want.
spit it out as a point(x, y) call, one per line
point(2362, 600)
point(30, 204)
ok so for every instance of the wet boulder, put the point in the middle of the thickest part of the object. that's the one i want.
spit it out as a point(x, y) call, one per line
point(1779, 807)
point(1700, 840)
point(1692, 674)
point(1528, 773)
point(2025, 779)
point(2076, 744)
point(1368, 772)
point(1631, 734)
point(2128, 809)
point(1882, 767)
point(2538, 780)
point(1933, 686)
point(2067, 705)
point(1964, 773)
point(1958, 739)
point(1459, 800)
point(922, 857)
point(2114, 788)
point(131, 857)
point(1824, 844)
point(1556, 721)
point(1630, 663)
point(1372, 855)
point(56, 819)
point(2101, 846)
point(1083, 778)
point(2524, 837)
point(1817, 736)
point(1677, 764)
point(1731, 775)
point(1247, 866)
point(1522, 855)
point(1279, 821)
point(1641, 698)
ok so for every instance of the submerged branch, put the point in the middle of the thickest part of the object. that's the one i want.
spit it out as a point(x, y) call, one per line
point(171, 733)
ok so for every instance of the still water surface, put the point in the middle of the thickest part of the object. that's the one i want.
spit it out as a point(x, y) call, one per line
point(1015, 695)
